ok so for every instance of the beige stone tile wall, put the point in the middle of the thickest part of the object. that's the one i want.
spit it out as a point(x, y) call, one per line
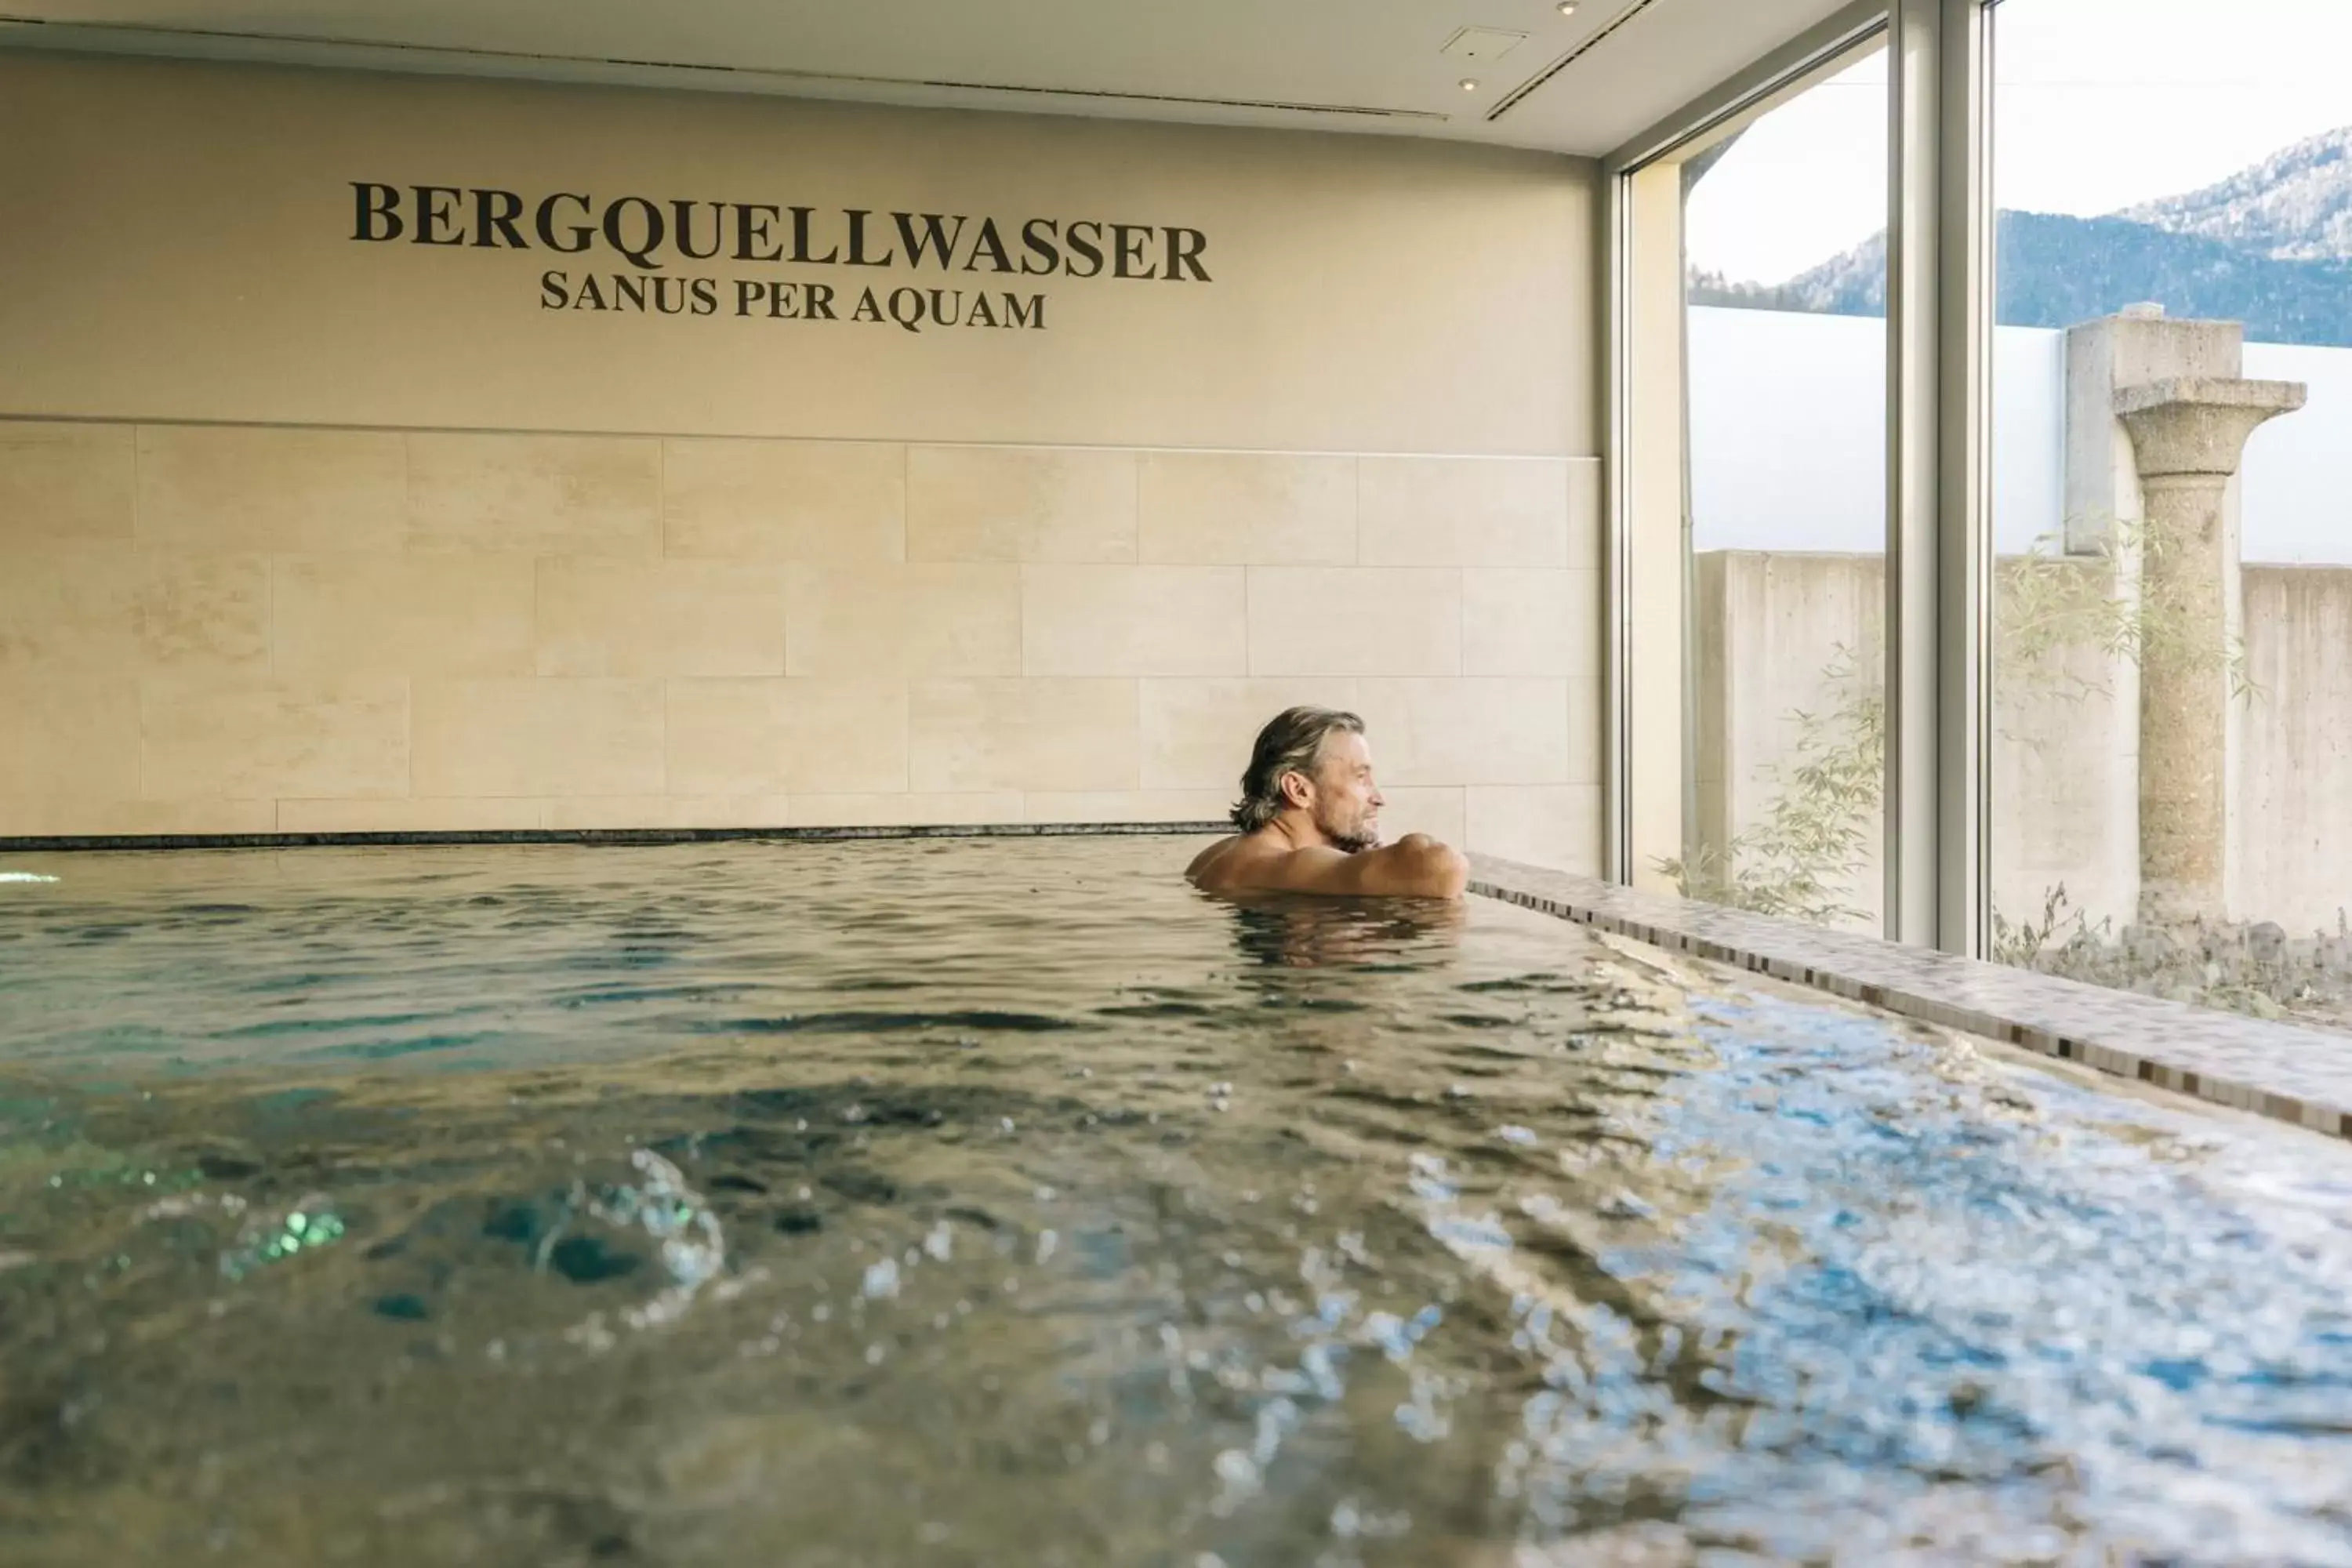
point(232, 629)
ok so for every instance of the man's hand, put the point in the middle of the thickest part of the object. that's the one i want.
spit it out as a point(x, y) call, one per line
point(1420, 865)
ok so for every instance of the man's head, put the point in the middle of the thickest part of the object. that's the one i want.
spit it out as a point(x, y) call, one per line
point(1313, 761)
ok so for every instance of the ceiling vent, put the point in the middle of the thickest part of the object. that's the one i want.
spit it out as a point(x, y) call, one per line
point(300, 48)
point(1482, 44)
point(1518, 94)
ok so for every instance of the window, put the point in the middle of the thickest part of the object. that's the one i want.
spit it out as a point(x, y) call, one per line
point(1765, 375)
point(2172, 448)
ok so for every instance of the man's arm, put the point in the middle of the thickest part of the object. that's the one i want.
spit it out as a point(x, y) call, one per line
point(1415, 866)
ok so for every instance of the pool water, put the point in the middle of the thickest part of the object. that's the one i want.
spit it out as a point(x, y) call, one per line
point(1004, 1202)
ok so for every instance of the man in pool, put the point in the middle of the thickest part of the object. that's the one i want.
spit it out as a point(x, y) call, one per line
point(1309, 821)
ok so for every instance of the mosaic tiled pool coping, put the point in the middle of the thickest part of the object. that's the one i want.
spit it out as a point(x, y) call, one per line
point(2280, 1070)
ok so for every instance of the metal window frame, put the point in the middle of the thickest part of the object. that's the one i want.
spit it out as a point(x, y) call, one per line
point(1939, 328)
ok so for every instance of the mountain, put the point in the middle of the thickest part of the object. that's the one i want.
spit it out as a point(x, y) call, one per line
point(2296, 205)
point(2271, 246)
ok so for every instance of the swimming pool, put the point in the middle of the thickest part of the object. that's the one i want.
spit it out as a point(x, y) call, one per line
point(1005, 1202)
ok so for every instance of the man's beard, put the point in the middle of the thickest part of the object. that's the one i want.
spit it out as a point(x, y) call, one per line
point(1367, 835)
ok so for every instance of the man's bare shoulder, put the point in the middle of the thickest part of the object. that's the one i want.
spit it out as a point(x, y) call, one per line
point(1414, 866)
point(1229, 863)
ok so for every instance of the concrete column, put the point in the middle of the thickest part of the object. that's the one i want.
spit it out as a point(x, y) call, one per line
point(2139, 344)
point(2096, 853)
point(2103, 515)
point(2187, 434)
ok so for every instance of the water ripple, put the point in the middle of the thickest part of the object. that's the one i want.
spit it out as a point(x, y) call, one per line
point(569, 1206)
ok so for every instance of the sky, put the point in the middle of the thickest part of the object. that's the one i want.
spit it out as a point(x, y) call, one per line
point(2097, 104)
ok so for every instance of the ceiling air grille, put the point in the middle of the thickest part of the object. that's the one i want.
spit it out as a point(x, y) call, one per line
point(1520, 92)
point(159, 40)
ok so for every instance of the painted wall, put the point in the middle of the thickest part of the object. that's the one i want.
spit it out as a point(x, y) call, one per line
point(311, 531)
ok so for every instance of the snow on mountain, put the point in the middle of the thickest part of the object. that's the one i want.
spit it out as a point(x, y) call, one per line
point(2294, 205)
point(2271, 246)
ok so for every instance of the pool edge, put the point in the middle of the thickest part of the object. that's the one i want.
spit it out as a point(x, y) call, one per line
point(82, 843)
point(2278, 1071)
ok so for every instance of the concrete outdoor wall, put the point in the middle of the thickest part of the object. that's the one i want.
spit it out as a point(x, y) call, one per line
point(1775, 636)
point(308, 533)
point(2293, 854)
point(2065, 734)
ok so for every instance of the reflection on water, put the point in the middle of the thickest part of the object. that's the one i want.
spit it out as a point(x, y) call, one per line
point(1298, 930)
point(1011, 1203)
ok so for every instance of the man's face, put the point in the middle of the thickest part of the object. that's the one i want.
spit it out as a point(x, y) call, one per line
point(1342, 798)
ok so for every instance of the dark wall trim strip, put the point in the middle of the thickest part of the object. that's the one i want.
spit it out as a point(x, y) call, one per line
point(55, 843)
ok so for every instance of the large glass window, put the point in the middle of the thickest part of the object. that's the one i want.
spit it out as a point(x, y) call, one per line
point(1783, 526)
point(2172, 446)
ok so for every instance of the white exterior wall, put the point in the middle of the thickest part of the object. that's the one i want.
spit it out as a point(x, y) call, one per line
point(1788, 460)
point(1788, 439)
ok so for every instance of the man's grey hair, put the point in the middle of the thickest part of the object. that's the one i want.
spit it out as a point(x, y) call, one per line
point(1291, 742)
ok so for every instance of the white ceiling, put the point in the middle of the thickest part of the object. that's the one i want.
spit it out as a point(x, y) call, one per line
point(1583, 83)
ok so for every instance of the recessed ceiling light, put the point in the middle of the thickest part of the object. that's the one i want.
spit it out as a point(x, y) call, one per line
point(1567, 7)
point(1469, 84)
